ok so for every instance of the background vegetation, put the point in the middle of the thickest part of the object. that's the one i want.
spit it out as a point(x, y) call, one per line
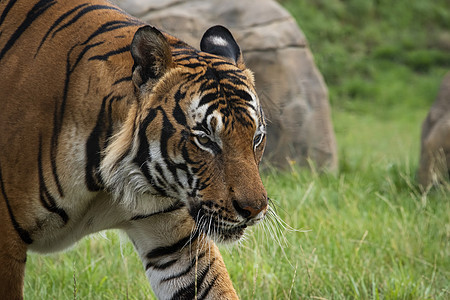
point(367, 232)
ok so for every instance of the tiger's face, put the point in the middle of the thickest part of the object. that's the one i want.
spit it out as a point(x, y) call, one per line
point(211, 142)
point(200, 131)
point(226, 141)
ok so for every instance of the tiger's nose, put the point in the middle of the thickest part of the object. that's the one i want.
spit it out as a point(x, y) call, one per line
point(249, 211)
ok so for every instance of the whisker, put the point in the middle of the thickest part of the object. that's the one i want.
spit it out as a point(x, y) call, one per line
point(275, 228)
point(194, 232)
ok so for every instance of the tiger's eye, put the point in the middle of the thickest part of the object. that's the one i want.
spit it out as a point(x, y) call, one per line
point(257, 140)
point(203, 139)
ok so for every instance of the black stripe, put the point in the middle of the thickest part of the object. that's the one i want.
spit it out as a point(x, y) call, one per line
point(106, 56)
point(23, 234)
point(201, 169)
point(69, 70)
point(98, 140)
point(37, 10)
point(53, 150)
point(167, 133)
point(192, 65)
point(185, 154)
point(110, 26)
point(175, 188)
point(233, 75)
point(243, 95)
point(208, 98)
point(217, 63)
point(209, 111)
point(233, 90)
point(209, 287)
point(6, 11)
point(182, 47)
point(161, 267)
point(59, 119)
point(124, 79)
point(143, 152)
point(168, 250)
point(93, 181)
point(56, 23)
point(187, 270)
point(47, 200)
point(171, 208)
point(243, 116)
point(188, 292)
point(207, 84)
point(109, 129)
point(177, 112)
point(82, 13)
point(160, 172)
point(154, 182)
point(158, 183)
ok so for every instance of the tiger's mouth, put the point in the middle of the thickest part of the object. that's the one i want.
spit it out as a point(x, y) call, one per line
point(221, 233)
point(218, 226)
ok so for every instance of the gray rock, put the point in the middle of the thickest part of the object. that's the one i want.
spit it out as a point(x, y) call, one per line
point(434, 163)
point(292, 90)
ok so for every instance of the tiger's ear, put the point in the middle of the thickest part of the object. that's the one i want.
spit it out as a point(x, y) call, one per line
point(151, 53)
point(218, 40)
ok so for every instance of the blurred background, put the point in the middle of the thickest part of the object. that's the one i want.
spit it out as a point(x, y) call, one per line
point(383, 62)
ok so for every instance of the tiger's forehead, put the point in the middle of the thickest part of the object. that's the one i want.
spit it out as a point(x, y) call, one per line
point(214, 113)
point(220, 94)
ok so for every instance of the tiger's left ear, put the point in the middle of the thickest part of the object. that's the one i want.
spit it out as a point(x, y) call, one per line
point(218, 40)
point(151, 53)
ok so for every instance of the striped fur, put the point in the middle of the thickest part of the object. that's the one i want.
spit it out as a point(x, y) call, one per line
point(108, 123)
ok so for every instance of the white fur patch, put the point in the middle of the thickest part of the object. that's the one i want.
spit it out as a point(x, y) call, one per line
point(219, 125)
point(218, 41)
point(198, 114)
point(254, 103)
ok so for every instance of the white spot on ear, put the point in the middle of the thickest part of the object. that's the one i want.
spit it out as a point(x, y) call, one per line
point(218, 41)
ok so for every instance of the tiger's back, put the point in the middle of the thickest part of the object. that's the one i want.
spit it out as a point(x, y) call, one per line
point(52, 103)
point(107, 123)
point(59, 94)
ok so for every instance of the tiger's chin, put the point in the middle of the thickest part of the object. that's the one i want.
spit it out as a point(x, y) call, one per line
point(218, 228)
point(227, 236)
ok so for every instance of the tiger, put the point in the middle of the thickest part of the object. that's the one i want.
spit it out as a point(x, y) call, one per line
point(110, 123)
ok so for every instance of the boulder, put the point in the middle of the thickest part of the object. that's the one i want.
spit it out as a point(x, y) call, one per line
point(292, 90)
point(434, 162)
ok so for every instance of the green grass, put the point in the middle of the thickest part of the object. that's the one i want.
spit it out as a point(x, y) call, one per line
point(366, 232)
point(100, 267)
point(371, 236)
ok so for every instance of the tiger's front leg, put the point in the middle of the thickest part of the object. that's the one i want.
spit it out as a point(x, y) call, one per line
point(180, 262)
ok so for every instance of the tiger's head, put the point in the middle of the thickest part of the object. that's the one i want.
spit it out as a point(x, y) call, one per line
point(195, 136)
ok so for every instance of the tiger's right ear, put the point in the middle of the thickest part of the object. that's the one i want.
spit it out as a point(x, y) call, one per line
point(151, 53)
